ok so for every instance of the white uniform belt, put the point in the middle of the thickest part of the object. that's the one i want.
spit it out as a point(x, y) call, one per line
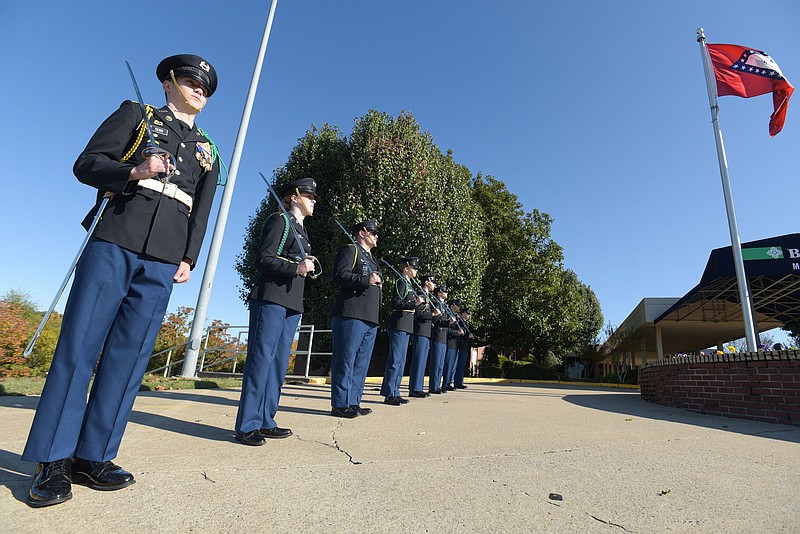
point(168, 189)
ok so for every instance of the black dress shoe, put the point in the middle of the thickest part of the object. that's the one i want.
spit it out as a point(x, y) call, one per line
point(402, 400)
point(461, 386)
point(417, 394)
point(436, 391)
point(448, 388)
point(362, 411)
point(52, 483)
point(392, 401)
point(105, 476)
point(347, 413)
point(275, 433)
point(253, 437)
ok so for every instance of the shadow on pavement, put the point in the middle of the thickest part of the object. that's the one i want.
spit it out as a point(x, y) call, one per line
point(194, 395)
point(633, 405)
point(179, 426)
point(162, 422)
point(512, 388)
point(15, 474)
point(26, 403)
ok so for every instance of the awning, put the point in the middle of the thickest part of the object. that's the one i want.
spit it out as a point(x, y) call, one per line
point(772, 269)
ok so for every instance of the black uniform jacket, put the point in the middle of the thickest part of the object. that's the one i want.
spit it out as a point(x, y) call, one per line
point(278, 282)
point(453, 335)
point(139, 219)
point(463, 342)
point(357, 298)
point(441, 324)
point(404, 306)
point(423, 317)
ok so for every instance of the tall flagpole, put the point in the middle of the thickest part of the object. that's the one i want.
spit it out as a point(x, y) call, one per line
point(196, 334)
point(736, 245)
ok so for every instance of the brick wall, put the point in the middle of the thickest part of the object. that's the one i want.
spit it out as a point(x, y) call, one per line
point(763, 386)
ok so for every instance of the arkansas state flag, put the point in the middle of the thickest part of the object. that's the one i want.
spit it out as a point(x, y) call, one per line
point(746, 72)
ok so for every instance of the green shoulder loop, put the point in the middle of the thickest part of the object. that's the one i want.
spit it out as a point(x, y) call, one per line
point(285, 233)
point(397, 288)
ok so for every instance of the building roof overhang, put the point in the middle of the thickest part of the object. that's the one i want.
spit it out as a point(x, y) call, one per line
point(711, 312)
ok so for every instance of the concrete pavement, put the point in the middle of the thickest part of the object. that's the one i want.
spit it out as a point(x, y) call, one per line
point(485, 459)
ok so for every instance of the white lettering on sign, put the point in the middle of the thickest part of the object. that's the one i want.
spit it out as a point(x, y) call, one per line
point(794, 252)
point(796, 266)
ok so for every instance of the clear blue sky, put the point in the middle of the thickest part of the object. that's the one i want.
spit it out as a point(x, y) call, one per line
point(594, 112)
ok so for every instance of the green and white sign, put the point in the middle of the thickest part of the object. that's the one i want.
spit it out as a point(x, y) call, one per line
point(763, 253)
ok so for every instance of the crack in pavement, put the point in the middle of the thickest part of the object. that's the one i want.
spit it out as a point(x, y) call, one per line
point(559, 506)
point(515, 454)
point(335, 444)
point(608, 522)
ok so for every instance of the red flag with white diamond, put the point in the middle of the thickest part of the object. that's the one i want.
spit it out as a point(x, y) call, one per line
point(747, 72)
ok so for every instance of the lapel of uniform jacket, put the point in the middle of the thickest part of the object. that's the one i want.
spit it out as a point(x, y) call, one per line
point(299, 227)
point(301, 230)
point(165, 116)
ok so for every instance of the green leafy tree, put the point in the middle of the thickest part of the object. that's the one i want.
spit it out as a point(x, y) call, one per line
point(575, 315)
point(391, 171)
point(321, 154)
point(591, 354)
point(590, 316)
point(471, 231)
point(532, 304)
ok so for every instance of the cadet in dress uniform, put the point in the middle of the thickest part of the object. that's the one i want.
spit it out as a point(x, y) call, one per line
point(463, 352)
point(451, 356)
point(421, 340)
point(400, 326)
point(356, 314)
point(148, 238)
point(276, 305)
point(441, 326)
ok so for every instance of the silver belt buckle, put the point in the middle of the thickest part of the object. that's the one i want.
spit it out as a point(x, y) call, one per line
point(169, 190)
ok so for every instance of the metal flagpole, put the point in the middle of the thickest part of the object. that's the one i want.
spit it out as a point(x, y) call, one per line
point(736, 245)
point(196, 334)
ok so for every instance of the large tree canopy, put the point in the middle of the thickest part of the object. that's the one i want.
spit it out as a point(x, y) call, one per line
point(531, 303)
point(471, 231)
point(390, 171)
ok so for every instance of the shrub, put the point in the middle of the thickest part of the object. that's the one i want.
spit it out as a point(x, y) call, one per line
point(12, 370)
point(487, 370)
point(630, 377)
point(491, 356)
point(530, 371)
